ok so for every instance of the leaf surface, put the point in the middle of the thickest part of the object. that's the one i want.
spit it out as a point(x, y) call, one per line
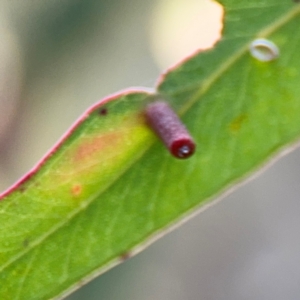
point(110, 187)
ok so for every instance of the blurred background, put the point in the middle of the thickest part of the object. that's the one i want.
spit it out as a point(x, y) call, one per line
point(57, 57)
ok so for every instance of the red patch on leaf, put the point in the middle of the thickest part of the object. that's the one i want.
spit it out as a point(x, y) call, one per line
point(101, 143)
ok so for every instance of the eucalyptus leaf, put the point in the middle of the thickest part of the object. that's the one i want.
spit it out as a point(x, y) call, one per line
point(110, 187)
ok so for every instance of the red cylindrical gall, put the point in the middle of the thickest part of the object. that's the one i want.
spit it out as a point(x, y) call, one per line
point(166, 124)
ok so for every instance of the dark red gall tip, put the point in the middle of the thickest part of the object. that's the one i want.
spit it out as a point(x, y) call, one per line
point(166, 124)
point(183, 148)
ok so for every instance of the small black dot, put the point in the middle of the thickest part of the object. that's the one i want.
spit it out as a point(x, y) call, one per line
point(103, 111)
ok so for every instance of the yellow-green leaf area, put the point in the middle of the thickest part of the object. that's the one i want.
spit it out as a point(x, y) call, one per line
point(102, 145)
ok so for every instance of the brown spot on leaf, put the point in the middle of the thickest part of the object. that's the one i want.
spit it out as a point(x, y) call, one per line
point(24, 185)
point(26, 243)
point(124, 256)
point(22, 188)
point(76, 189)
point(236, 124)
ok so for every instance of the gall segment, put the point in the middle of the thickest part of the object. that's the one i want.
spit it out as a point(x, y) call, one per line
point(166, 124)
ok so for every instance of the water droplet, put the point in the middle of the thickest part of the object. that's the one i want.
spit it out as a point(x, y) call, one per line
point(264, 50)
point(184, 151)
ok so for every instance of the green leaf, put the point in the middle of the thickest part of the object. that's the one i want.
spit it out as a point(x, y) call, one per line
point(110, 187)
